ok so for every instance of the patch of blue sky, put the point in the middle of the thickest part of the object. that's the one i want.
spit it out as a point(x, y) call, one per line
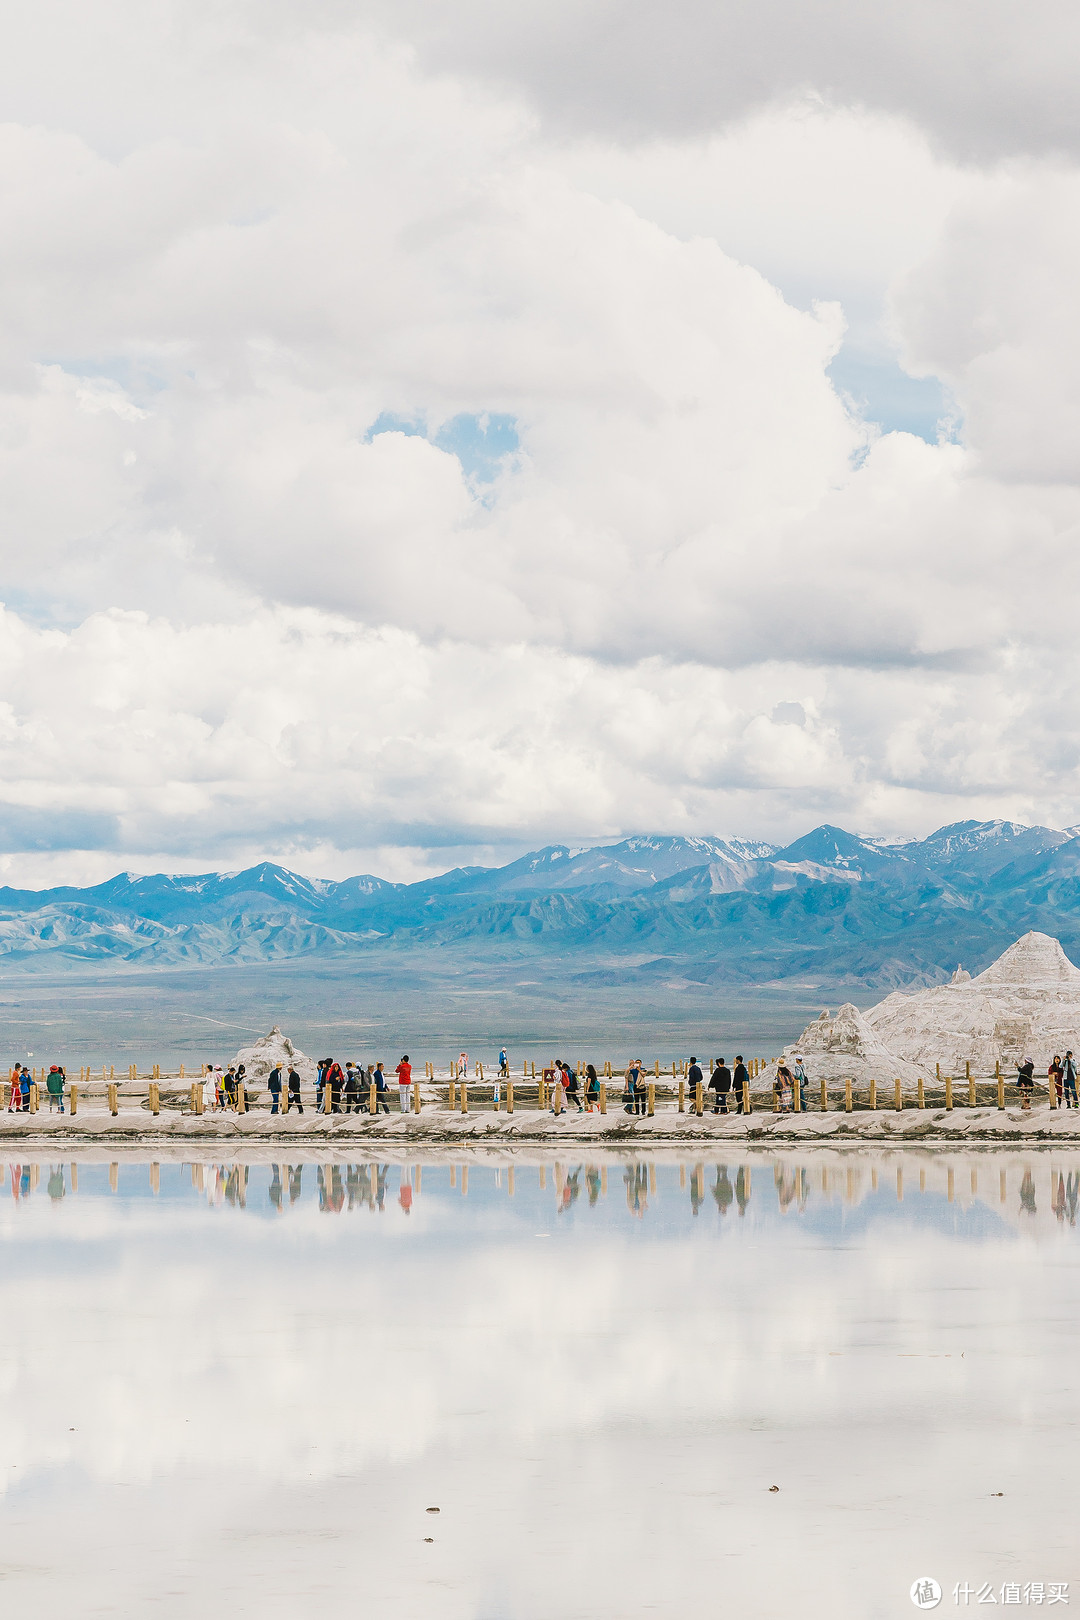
point(877, 388)
point(481, 442)
point(134, 376)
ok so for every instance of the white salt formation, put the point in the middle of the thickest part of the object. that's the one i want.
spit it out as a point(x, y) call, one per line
point(271, 1050)
point(834, 1048)
point(1024, 1005)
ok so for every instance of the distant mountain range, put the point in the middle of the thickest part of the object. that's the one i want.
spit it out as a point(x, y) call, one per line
point(829, 908)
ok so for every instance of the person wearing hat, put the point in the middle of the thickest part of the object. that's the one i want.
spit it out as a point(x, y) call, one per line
point(54, 1085)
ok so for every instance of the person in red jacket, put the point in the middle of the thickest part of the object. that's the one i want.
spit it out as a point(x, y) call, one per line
point(404, 1080)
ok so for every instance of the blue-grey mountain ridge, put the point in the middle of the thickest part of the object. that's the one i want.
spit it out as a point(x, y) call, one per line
point(829, 908)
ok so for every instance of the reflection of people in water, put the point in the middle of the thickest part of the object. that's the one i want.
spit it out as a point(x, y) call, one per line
point(275, 1186)
point(742, 1188)
point(1027, 1194)
point(56, 1188)
point(296, 1180)
point(636, 1178)
point(723, 1191)
point(697, 1188)
point(1057, 1202)
point(592, 1182)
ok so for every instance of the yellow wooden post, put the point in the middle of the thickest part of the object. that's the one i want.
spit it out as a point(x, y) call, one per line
point(796, 1096)
point(74, 1099)
point(241, 1097)
point(824, 1097)
point(480, 1067)
point(997, 1068)
point(847, 1094)
point(922, 1093)
point(452, 1094)
point(873, 1092)
point(948, 1091)
point(183, 1076)
point(112, 1072)
point(194, 1103)
point(33, 1097)
point(373, 1099)
point(603, 1097)
point(652, 1098)
point(510, 1110)
point(1001, 1091)
point(532, 1066)
point(1052, 1090)
point(327, 1094)
point(971, 1091)
point(113, 1106)
point(416, 1097)
point(699, 1098)
point(899, 1097)
point(155, 1104)
point(967, 1069)
point(682, 1096)
point(746, 1096)
point(656, 1067)
point(937, 1074)
point(463, 1092)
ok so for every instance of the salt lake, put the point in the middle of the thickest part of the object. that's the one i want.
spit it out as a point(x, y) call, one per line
point(674, 1383)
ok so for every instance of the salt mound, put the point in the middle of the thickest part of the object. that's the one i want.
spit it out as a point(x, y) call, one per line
point(271, 1050)
point(835, 1048)
point(1024, 1005)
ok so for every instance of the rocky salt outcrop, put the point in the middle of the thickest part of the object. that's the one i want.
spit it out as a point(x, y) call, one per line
point(271, 1050)
point(1024, 1005)
point(842, 1046)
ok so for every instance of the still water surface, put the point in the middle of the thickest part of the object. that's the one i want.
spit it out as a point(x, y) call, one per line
point(235, 1387)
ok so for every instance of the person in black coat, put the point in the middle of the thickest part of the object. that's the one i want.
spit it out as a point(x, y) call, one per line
point(694, 1078)
point(720, 1083)
point(740, 1078)
point(273, 1086)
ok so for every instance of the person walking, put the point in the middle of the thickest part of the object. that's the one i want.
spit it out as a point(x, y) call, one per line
point(273, 1086)
point(1070, 1081)
point(694, 1078)
point(798, 1075)
point(740, 1077)
point(784, 1087)
point(24, 1088)
point(635, 1087)
point(720, 1083)
point(294, 1092)
point(352, 1089)
point(404, 1081)
point(54, 1085)
point(504, 1064)
point(592, 1087)
point(1055, 1076)
point(14, 1091)
point(463, 1066)
point(570, 1080)
point(379, 1082)
point(1025, 1079)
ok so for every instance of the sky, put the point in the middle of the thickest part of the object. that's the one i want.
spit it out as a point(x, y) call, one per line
point(432, 431)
